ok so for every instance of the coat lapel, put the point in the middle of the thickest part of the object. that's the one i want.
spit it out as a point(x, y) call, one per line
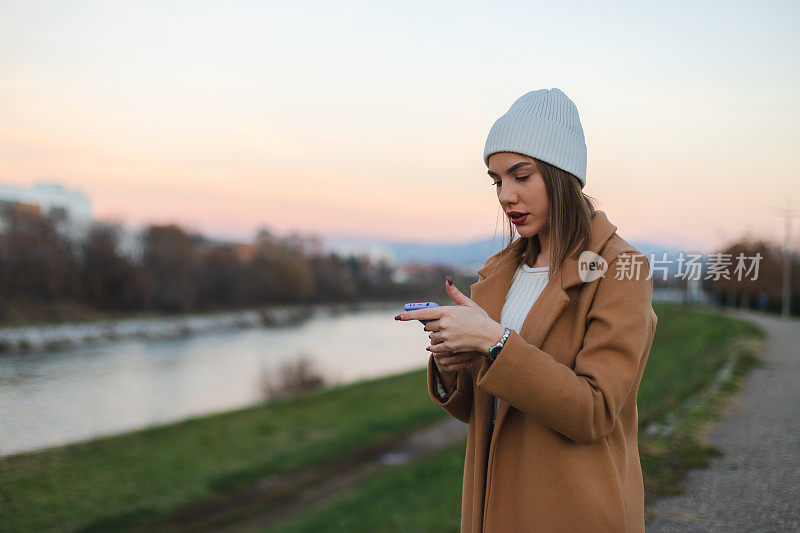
point(490, 292)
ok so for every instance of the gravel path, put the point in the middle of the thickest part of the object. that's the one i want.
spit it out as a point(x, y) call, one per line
point(755, 485)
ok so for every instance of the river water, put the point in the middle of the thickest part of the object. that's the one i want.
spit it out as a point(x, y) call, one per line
point(49, 399)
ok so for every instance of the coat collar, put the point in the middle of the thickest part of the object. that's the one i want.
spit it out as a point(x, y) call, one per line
point(490, 292)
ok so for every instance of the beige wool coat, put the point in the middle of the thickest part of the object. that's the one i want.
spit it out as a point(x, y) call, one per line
point(563, 455)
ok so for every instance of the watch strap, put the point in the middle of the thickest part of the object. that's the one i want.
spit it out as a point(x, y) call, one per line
point(494, 350)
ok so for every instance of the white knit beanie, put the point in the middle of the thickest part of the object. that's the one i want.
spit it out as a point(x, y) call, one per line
point(543, 124)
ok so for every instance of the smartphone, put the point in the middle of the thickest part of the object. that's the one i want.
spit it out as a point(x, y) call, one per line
point(420, 305)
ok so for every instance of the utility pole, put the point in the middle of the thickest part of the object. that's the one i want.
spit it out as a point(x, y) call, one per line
point(788, 214)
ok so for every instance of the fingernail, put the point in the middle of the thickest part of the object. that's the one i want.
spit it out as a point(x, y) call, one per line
point(449, 281)
point(397, 317)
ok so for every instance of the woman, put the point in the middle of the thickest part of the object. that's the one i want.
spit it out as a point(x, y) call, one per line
point(544, 360)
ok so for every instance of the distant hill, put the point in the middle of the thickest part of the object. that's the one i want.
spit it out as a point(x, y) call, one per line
point(466, 256)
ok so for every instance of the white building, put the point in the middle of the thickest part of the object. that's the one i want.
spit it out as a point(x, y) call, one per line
point(358, 248)
point(71, 208)
point(51, 198)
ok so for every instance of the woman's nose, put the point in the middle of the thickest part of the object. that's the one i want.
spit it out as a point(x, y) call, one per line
point(507, 196)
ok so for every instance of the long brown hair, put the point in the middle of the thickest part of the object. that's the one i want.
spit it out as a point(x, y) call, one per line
point(571, 212)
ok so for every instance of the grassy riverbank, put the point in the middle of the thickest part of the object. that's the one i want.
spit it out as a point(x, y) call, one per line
point(689, 355)
point(113, 483)
point(128, 479)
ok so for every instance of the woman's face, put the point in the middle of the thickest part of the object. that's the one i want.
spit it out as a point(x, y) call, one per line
point(520, 187)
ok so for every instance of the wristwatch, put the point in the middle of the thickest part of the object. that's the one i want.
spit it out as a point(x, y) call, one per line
point(494, 350)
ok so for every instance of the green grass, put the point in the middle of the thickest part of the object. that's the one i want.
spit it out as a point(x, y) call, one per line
point(690, 347)
point(124, 481)
point(422, 496)
point(667, 457)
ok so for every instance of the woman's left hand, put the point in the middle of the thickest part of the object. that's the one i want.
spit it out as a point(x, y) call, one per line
point(457, 328)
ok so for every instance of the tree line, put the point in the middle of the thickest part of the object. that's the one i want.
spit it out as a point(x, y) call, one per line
point(766, 290)
point(178, 271)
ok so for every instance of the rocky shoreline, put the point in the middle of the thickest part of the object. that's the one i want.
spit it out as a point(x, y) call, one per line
point(68, 336)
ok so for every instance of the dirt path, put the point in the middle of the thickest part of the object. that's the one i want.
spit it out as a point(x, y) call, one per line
point(755, 485)
point(280, 496)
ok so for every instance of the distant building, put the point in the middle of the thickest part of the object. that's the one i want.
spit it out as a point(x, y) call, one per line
point(374, 253)
point(130, 243)
point(691, 292)
point(51, 199)
point(71, 209)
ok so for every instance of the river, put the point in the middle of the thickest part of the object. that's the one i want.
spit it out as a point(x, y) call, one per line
point(50, 399)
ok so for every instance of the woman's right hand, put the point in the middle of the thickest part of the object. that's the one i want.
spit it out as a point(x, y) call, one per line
point(451, 363)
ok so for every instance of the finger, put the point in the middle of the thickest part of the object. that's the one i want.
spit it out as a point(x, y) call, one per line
point(440, 348)
point(436, 338)
point(456, 295)
point(433, 325)
point(431, 313)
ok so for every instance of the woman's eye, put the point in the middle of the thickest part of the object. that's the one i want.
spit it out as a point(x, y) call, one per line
point(521, 178)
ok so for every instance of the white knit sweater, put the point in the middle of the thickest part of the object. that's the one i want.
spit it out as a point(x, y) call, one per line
point(526, 286)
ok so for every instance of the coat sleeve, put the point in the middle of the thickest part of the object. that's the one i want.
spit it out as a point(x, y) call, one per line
point(582, 403)
point(458, 402)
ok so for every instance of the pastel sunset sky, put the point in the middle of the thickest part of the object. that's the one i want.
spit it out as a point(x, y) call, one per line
point(369, 118)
